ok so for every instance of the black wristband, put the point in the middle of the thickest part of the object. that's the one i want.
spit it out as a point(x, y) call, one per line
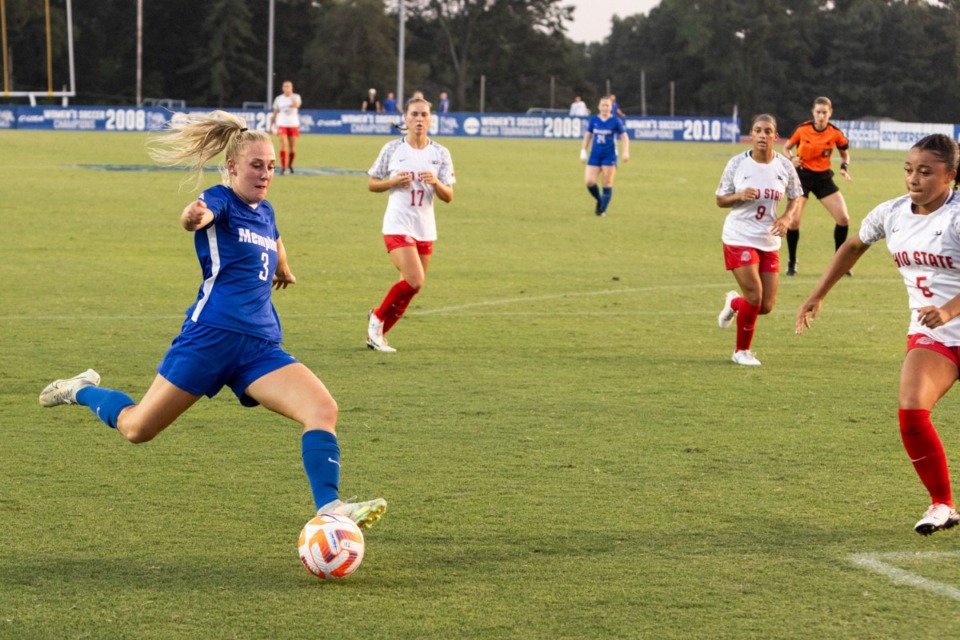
point(844, 166)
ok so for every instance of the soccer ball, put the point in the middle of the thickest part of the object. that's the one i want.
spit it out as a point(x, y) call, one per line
point(331, 546)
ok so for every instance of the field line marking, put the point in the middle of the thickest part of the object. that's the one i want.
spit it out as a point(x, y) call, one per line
point(602, 292)
point(480, 303)
point(557, 296)
point(876, 562)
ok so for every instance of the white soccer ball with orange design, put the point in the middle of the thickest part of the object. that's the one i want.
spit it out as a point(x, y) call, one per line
point(331, 546)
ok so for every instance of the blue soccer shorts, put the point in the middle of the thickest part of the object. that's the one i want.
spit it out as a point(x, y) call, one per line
point(202, 360)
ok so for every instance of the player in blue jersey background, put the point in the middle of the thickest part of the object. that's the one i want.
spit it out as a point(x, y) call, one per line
point(231, 336)
point(603, 130)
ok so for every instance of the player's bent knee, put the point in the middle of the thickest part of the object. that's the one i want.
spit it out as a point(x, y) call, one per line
point(137, 430)
point(137, 434)
point(321, 415)
point(415, 282)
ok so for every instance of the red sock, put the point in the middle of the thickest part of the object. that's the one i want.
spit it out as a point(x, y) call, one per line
point(397, 312)
point(746, 320)
point(392, 302)
point(283, 159)
point(925, 449)
point(292, 154)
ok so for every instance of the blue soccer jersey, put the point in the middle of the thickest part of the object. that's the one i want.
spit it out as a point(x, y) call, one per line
point(605, 134)
point(238, 257)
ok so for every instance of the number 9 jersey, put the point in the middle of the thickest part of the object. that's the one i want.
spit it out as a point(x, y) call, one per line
point(410, 209)
point(748, 224)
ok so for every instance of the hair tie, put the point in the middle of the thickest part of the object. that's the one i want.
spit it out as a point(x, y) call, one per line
point(242, 130)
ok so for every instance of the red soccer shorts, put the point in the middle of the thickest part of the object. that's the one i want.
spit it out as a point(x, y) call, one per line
point(424, 247)
point(920, 341)
point(734, 257)
point(290, 132)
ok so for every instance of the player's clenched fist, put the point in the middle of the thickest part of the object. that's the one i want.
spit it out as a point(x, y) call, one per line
point(195, 216)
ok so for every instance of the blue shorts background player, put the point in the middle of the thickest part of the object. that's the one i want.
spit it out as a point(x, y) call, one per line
point(231, 336)
point(601, 139)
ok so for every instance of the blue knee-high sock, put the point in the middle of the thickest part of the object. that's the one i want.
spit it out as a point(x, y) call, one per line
point(594, 191)
point(105, 403)
point(605, 200)
point(321, 460)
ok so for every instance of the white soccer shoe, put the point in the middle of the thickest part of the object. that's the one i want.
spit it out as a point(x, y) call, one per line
point(745, 358)
point(727, 314)
point(65, 391)
point(937, 517)
point(375, 339)
point(365, 514)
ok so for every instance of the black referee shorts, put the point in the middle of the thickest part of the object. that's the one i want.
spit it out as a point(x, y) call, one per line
point(820, 183)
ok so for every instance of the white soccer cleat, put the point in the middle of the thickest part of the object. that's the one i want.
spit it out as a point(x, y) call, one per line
point(745, 358)
point(937, 517)
point(727, 314)
point(375, 339)
point(65, 391)
point(364, 514)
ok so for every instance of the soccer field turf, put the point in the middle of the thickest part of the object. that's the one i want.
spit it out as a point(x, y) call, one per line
point(565, 446)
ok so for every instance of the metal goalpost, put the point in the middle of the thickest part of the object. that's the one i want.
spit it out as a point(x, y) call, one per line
point(68, 91)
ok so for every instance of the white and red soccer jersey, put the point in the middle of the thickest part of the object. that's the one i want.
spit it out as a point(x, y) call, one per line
point(926, 250)
point(749, 223)
point(287, 114)
point(410, 209)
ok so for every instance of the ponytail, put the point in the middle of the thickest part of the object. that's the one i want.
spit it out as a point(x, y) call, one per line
point(194, 139)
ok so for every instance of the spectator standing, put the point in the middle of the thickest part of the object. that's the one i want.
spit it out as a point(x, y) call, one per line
point(390, 103)
point(579, 108)
point(370, 102)
point(444, 106)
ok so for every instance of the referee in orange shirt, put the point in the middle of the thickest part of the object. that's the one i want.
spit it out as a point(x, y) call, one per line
point(810, 148)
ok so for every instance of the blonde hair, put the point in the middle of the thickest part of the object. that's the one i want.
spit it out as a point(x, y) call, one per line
point(193, 139)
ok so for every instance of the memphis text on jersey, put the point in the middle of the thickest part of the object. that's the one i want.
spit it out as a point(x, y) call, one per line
point(255, 238)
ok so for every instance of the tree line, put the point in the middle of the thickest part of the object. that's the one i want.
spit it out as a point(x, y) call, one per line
point(896, 59)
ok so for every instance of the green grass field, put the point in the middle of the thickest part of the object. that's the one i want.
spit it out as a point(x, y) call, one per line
point(566, 448)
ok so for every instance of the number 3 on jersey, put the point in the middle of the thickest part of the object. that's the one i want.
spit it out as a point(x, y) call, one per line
point(263, 275)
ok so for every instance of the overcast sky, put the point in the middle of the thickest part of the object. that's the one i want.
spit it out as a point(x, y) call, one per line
point(591, 19)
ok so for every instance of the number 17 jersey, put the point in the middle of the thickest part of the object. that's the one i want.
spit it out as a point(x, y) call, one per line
point(410, 209)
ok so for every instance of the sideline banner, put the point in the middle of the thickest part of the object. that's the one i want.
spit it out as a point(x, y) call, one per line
point(863, 134)
point(476, 125)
